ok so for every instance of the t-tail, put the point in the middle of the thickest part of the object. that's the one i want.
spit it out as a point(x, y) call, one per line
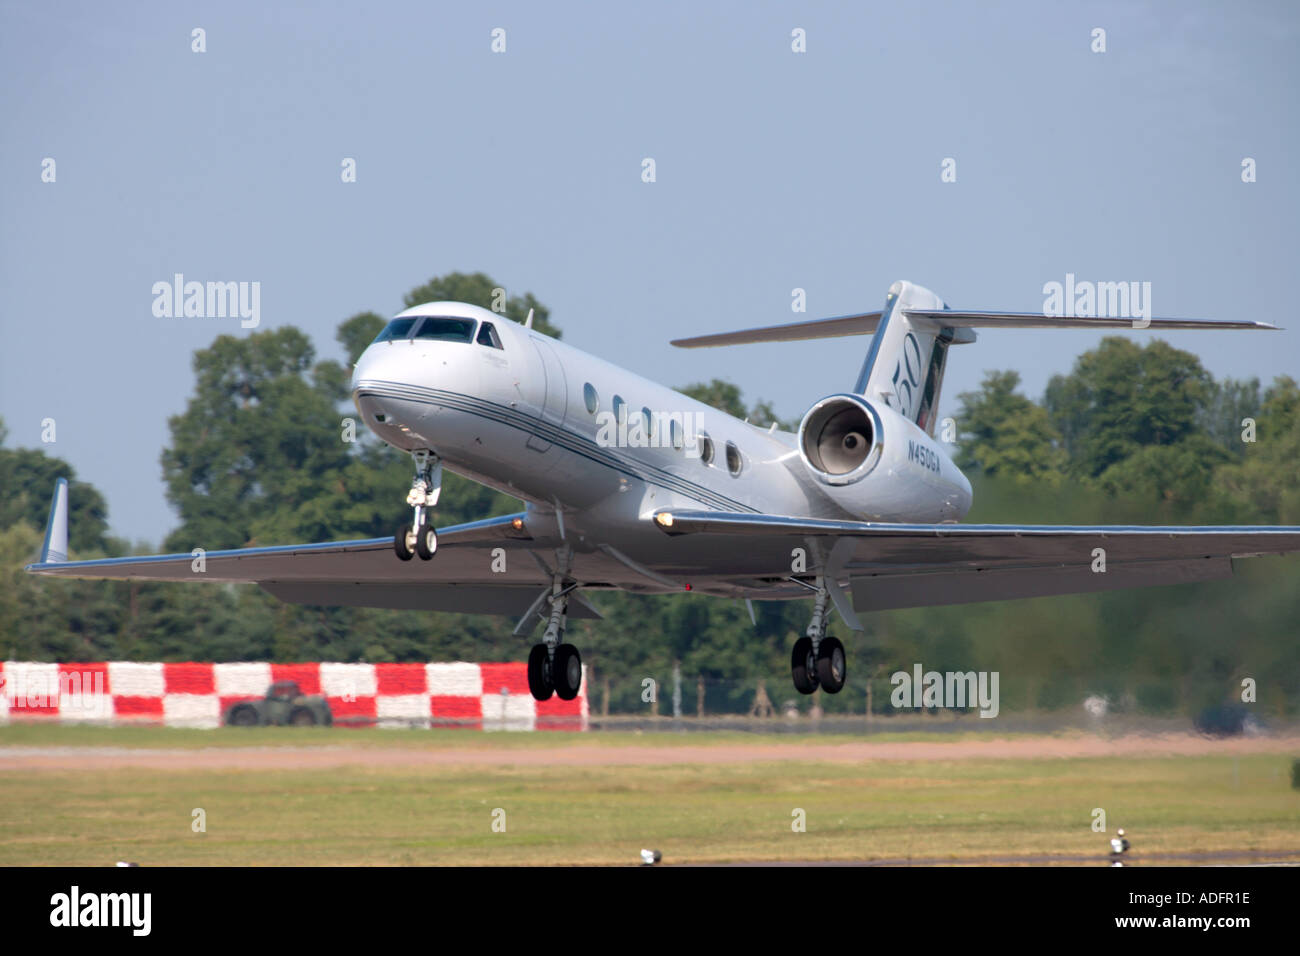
point(910, 338)
point(907, 356)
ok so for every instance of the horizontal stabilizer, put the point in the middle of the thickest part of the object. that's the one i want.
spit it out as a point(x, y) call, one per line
point(863, 324)
point(867, 322)
point(1036, 320)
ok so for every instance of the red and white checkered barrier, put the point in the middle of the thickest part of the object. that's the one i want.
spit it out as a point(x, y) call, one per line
point(486, 696)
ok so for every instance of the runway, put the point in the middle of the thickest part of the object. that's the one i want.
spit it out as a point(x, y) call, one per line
point(592, 751)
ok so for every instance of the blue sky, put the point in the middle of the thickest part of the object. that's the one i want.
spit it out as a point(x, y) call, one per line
point(775, 170)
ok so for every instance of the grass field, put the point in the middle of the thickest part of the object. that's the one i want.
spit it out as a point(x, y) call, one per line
point(563, 810)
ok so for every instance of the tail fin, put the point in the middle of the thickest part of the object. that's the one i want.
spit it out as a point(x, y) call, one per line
point(905, 362)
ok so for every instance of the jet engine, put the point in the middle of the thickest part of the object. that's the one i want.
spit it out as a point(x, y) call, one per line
point(876, 465)
point(841, 439)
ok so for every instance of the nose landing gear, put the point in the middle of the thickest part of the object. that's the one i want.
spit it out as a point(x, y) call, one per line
point(418, 535)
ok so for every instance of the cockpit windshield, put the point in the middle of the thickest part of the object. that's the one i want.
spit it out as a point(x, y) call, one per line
point(396, 329)
point(444, 329)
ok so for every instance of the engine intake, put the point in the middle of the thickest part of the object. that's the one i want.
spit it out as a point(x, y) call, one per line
point(840, 439)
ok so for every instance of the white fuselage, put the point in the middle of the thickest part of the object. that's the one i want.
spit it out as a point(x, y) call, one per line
point(534, 419)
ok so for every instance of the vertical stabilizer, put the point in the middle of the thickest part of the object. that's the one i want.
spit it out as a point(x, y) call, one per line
point(906, 359)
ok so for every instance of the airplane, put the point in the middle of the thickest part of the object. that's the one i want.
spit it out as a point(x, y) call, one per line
point(629, 485)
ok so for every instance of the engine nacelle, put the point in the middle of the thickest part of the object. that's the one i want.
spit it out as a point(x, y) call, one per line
point(841, 439)
point(878, 466)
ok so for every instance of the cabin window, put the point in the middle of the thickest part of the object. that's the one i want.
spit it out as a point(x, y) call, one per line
point(620, 410)
point(706, 448)
point(590, 398)
point(734, 460)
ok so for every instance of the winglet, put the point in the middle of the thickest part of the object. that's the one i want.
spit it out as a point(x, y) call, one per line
point(55, 549)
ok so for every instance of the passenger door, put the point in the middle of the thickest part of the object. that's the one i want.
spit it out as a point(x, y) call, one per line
point(555, 400)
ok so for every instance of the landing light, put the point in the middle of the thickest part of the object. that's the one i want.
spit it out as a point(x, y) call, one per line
point(517, 524)
point(665, 519)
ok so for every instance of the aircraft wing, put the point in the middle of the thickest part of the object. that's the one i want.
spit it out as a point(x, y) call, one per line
point(465, 575)
point(922, 565)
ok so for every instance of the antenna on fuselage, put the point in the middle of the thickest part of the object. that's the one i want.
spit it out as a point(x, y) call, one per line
point(528, 322)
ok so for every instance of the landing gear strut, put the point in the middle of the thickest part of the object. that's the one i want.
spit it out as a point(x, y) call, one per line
point(553, 667)
point(418, 535)
point(818, 660)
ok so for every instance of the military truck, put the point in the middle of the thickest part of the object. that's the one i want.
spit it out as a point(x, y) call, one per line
point(284, 705)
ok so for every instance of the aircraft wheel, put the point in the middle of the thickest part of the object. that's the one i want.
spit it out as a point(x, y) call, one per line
point(426, 542)
point(831, 668)
point(539, 673)
point(302, 717)
point(803, 666)
point(404, 542)
point(243, 716)
point(567, 672)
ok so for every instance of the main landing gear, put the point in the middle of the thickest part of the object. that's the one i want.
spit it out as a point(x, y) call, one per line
point(418, 536)
point(553, 667)
point(818, 659)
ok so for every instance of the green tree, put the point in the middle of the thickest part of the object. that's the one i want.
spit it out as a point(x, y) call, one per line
point(358, 332)
point(1179, 475)
point(723, 396)
point(1267, 480)
point(27, 478)
point(259, 447)
point(1222, 417)
point(1001, 432)
point(1121, 397)
point(726, 397)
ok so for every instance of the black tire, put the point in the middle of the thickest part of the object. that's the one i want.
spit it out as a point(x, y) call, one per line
point(567, 672)
point(803, 667)
point(539, 684)
point(243, 716)
point(302, 717)
point(399, 542)
point(426, 542)
point(832, 669)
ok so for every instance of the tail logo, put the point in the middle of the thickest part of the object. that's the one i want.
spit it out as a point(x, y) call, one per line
point(907, 376)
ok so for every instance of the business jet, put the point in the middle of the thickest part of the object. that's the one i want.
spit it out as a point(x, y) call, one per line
point(629, 485)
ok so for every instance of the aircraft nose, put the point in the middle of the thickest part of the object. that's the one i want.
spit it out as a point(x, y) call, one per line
point(380, 397)
point(363, 369)
point(381, 364)
point(369, 369)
